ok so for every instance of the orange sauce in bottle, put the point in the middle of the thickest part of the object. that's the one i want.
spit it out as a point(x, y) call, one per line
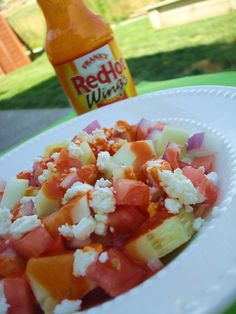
point(85, 56)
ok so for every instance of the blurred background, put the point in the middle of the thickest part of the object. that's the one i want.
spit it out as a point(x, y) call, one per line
point(161, 41)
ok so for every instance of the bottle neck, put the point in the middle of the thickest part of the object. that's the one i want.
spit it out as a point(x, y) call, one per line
point(61, 13)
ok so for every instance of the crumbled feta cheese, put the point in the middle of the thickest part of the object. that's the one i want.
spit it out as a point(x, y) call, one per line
point(97, 134)
point(100, 229)
point(38, 159)
point(55, 155)
point(3, 301)
point(101, 218)
point(75, 189)
point(104, 162)
point(103, 257)
point(68, 307)
point(5, 220)
point(24, 224)
point(103, 201)
point(102, 183)
point(155, 264)
point(118, 128)
point(188, 209)
point(50, 165)
point(80, 231)
point(44, 176)
point(154, 163)
point(173, 206)
point(82, 260)
point(177, 186)
point(213, 177)
point(66, 231)
point(197, 224)
point(75, 151)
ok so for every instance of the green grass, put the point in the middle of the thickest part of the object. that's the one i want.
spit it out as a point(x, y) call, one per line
point(29, 23)
point(206, 46)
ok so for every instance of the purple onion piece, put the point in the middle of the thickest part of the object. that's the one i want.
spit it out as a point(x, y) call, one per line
point(27, 209)
point(195, 141)
point(92, 126)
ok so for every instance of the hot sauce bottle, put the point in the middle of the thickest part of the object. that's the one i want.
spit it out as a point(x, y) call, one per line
point(83, 51)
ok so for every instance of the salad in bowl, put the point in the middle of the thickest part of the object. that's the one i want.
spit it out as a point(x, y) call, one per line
point(101, 213)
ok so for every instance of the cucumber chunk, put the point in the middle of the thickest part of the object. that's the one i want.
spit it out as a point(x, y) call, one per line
point(160, 241)
point(13, 192)
point(170, 134)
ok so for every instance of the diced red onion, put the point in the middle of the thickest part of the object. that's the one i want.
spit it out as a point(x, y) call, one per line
point(155, 264)
point(92, 126)
point(69, 180)
point(195, 141)
point(159, 125)
point(27, 209)
point(37, 171)
point(143, 128)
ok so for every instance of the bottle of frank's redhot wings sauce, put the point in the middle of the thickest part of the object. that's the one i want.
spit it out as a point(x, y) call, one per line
point(85, 55)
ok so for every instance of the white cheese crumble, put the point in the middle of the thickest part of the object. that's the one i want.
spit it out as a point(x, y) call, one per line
point(154, 163)
point(101, 228)
point(103, 257)
point(75, 150)
point(177, 186)
point(50, 166)
point(76, 188)
point(23, 225)
point(105, 163)
point(213, 177)
point(55, 155)
point(102, 183)
point(197, 224)
point(68, 307)
point(118, 128)
point(82, 260)
point(44, 176)
point(103, 201)
point(101, 218)
point(97, 134)
point(5, 220)
point(3, 301)
point(173, 206)
point(80, 231)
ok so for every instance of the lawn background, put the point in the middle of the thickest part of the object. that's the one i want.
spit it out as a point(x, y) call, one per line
point(206, 46)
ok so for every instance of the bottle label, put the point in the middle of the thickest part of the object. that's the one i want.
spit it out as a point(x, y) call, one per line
point(96, 79)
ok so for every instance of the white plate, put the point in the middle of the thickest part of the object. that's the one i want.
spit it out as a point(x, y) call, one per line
point(202, 280)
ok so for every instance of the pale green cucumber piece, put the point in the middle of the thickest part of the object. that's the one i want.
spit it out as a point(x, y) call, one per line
point(87, 156)
point(44, 205)
point(165, 238)
point(13, 192)
point(170, 134)
point(125, 155)
point(53, 147)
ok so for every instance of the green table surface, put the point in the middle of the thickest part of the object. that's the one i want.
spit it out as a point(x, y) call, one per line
point(220, 79)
